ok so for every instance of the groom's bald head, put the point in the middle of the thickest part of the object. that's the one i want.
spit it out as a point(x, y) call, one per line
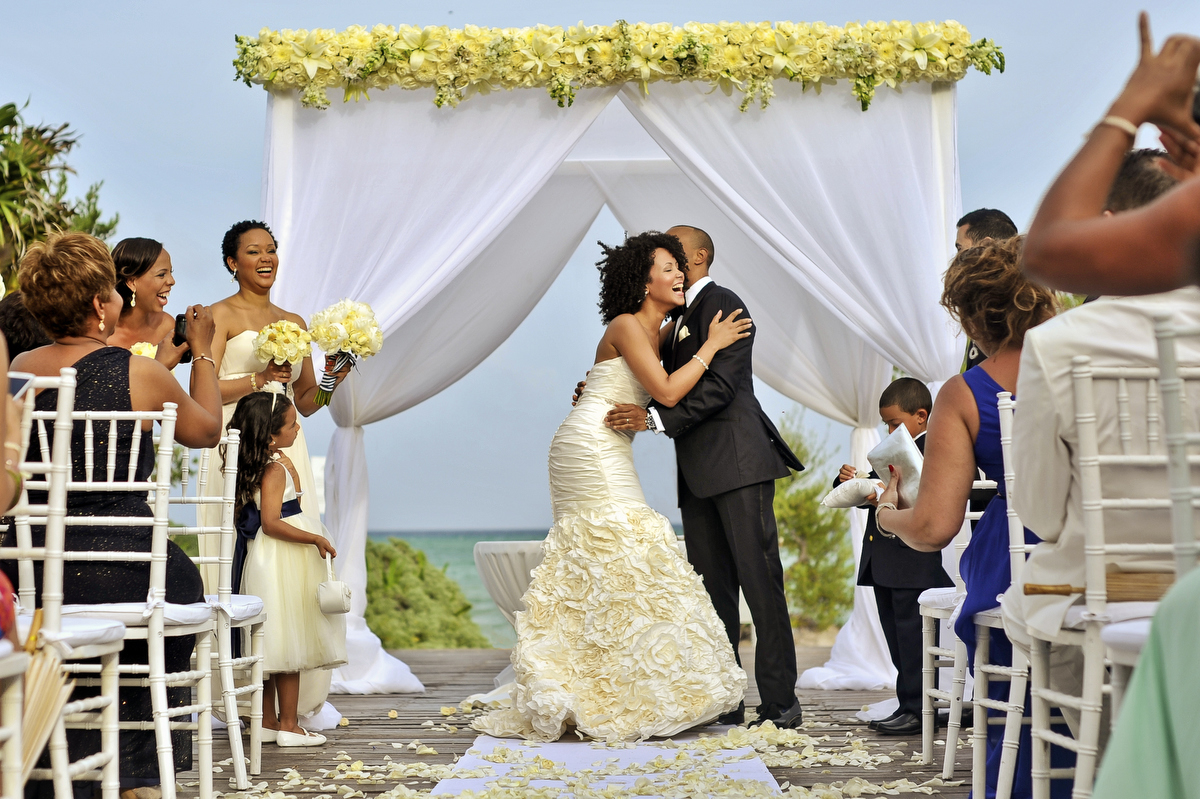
point(699, 249)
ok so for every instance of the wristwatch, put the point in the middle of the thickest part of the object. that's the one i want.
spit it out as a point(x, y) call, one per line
point(650, 425)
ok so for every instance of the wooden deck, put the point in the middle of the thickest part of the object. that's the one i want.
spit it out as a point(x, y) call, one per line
point(452, 675)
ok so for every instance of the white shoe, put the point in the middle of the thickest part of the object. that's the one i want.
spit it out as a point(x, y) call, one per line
point(285, 738)
point(268, 736)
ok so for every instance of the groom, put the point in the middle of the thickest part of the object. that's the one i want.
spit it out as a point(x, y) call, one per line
point(729, 455)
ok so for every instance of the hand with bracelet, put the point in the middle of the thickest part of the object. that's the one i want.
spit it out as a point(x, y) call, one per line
point(12, 450)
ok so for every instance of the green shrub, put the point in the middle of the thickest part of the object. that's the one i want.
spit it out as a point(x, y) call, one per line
point(414, 605)
point(814, 540)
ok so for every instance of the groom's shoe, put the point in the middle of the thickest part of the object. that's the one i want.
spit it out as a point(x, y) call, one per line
point(875, 724)
point(735, 716)
point(789, 719)
point(904, 724)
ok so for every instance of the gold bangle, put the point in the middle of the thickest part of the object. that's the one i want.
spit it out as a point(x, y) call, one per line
point(1121, 123)
point(12, 445)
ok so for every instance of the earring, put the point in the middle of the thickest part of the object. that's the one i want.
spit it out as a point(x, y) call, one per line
point(233, 277)
point(647, 294)
point(132, 301)
point(101, 324)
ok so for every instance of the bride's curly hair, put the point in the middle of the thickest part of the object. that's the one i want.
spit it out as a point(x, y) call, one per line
point(986, 292)
point(625, 271)
point(257, 422)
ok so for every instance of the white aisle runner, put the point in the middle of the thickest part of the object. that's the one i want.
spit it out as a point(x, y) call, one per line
point(571, 765)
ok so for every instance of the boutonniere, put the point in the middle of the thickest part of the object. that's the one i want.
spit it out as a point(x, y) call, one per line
point(683, 333)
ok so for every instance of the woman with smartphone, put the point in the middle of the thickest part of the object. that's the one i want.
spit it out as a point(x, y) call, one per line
point(144, 281)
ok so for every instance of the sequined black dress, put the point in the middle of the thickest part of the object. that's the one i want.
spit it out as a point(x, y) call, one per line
point(103, 385)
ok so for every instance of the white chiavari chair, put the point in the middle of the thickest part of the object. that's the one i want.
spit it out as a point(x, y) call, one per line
point(75, 639)
point(1124, 640)
point(1127, 592)
point(234, 612)
point(12, 673)
point(155, 619)
point(938, 605)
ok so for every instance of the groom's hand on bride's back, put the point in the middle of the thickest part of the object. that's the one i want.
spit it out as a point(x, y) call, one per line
point(579, 388)
point(626, 417)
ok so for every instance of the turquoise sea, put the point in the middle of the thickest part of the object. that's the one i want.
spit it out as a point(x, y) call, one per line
point(454, 550)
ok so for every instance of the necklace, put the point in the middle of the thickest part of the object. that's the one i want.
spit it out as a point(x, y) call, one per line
point(101, 342)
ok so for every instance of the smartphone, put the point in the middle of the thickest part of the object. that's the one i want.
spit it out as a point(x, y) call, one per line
point(19, 383)
point(181, 336)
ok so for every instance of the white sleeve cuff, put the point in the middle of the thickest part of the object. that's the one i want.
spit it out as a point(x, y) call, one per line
point(658, 425)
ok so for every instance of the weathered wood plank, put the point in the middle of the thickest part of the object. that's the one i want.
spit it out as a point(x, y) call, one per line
point(451, 675)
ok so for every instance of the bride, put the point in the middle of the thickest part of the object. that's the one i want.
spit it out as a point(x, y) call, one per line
point(618, 638)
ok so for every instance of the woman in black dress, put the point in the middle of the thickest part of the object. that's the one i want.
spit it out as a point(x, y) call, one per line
point(68, 284)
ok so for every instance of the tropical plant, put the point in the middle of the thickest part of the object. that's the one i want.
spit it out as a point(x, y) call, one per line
point(33, 189)
point(412, 604)
point(814, 540)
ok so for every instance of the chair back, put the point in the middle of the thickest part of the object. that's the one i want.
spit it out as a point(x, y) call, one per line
point(1126, 509)
point(50, 475)
point(963, 539)
point(1018, 550)
point(196, 493)
point(1184, 493)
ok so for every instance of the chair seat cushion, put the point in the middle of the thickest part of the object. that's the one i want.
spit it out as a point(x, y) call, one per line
point(943, 598)
point(130, 613)
point(241, 606)
point(77, 632)
point(1127, 636)
point(992, 617)
point(1117, 612)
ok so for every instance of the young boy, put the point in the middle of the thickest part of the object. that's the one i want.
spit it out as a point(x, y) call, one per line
point(897, 573)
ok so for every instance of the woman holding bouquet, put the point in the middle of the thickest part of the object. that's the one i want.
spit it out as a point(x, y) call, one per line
point(249, 255)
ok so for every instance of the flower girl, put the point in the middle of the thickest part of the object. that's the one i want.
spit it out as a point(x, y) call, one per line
point(284, 563)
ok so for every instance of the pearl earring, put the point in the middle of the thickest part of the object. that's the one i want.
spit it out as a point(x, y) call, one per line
point(132, 300)
point(233, 277)
point(647, 294)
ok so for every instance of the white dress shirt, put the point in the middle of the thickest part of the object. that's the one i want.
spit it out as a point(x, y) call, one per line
point(688, 296)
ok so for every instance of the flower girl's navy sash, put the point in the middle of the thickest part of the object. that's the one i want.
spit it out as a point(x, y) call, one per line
point(248, 524)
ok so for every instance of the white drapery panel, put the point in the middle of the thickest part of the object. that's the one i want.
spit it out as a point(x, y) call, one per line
point(858, 207)
point(405, 206)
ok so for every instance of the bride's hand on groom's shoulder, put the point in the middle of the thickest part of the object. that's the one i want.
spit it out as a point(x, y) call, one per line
point(724, 332)
point(626, 417)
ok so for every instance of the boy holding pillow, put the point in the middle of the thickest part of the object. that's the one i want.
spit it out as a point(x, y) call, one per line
point(898, 573)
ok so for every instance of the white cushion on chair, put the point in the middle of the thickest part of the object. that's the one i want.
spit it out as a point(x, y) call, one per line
point(1127, 636)
point(77, 632)
point(130, 613)
point(943, 598)
point(242, 606)
point(1117, 612)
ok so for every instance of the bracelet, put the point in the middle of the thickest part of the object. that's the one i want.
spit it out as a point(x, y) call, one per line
point(878, 526)
point(205, 358)
point(12, 445)
point(701, 360)
point(1121, 123)
point(18, 484)
point(253, 384)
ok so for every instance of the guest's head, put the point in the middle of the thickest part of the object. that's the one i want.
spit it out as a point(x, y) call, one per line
point(266, 421)
point(698, 249)
point(21, 330)
point(986, 292)
point(144, 275)
point(648, 267)
point(248, 252)
point(69, 285)
point(985, 223)
point(1140, 181)
point(907, 402)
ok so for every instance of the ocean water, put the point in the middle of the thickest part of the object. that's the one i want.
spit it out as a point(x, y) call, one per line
point(455, 551)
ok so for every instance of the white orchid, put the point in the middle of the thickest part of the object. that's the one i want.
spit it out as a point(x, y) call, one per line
point(310, 54)
point(919, 48)
point(421, 45)
point(581, 39)
point(646, 59)
point(542, 53)
point(786, 53)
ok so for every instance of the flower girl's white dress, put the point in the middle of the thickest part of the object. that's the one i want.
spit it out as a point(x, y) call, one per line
point(297, 635)
point(618, 636)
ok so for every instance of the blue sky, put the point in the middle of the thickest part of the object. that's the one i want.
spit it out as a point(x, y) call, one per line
point(178, 144)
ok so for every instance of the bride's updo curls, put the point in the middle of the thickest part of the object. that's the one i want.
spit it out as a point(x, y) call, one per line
point(625, 271)
point(986, 292)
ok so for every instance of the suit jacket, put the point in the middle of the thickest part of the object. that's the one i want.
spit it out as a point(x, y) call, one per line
point(1048, 494)
point(723, 439)
point(890, 563)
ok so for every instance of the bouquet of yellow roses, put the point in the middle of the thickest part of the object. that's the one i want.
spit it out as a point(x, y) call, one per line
point(346, 331)
point(282, 342)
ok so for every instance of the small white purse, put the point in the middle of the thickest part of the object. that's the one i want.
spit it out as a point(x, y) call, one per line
point(333, 595)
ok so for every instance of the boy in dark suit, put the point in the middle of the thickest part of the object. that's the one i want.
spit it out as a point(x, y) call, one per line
point(898, 573)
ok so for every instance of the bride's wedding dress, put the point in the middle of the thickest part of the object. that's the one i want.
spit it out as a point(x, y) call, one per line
point(618, 637)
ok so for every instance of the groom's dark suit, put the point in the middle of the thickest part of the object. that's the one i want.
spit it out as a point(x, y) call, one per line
point(729, 455)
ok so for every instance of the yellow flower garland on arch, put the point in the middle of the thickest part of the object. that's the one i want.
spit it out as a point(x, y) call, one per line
point(458, 63)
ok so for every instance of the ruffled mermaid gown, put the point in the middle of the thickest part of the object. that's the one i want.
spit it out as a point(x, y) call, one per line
point(618, 637)
point(239, 361)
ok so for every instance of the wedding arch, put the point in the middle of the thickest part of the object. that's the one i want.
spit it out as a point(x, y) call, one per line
point(453, 217)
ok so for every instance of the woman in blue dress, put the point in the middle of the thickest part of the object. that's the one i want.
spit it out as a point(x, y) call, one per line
point(986, 292)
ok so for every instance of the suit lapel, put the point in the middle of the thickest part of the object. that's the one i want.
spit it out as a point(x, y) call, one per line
point(691, 309)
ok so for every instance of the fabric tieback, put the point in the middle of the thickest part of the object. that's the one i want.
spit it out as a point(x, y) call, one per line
point(154, 601)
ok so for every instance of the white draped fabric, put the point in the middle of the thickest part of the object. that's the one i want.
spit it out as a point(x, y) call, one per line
point(833, 226)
